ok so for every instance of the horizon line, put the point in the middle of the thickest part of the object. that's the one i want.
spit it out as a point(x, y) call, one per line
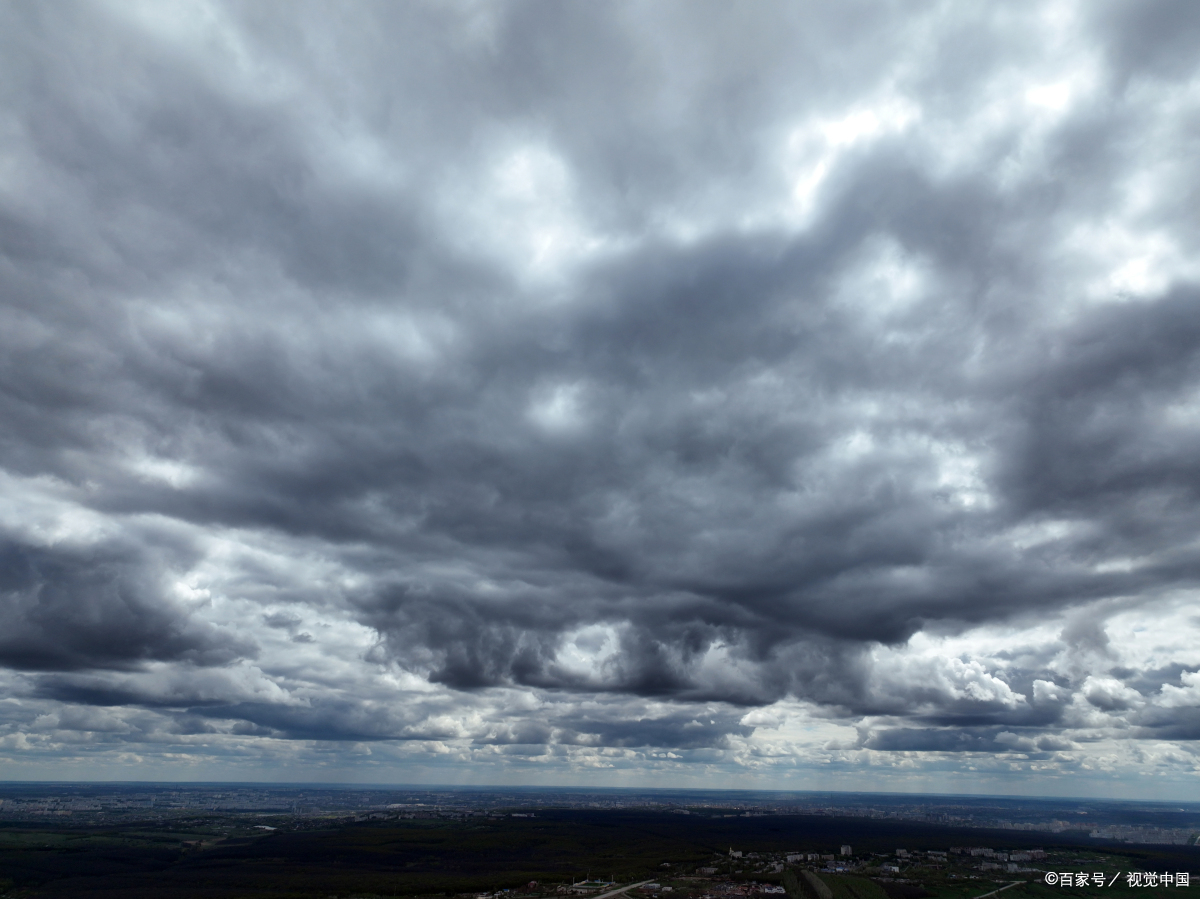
point(575, 789)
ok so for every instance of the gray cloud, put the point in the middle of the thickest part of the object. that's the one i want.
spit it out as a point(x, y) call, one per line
point(654, 354)
point(102, 608)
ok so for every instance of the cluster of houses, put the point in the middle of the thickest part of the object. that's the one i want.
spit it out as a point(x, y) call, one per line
point(737, 861)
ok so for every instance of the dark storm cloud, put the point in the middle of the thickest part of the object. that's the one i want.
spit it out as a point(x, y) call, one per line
point(617, 727)
point(100, 608)
point(682, 730)
point(1147, 682)
point(1095, 434)
point(963, 739)
point(708, 469)
point(341, 721)
point(1170, 724)
point(192, 701)
point(1153, 40)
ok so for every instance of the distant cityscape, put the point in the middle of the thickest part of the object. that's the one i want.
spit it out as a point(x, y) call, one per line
point(1123, 822)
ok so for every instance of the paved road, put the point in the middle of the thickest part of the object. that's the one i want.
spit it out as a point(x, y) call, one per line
point(618, 892)
point(1001, 890)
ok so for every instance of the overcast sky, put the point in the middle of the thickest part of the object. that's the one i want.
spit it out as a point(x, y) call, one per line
point(669, 393)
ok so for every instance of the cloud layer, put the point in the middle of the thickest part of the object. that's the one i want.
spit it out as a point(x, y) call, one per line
point(631, 391)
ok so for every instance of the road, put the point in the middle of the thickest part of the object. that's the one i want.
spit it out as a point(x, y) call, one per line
point(632, 886)
point(1001, 890)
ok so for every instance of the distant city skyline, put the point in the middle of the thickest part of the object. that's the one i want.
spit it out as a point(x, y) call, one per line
point(682, 394)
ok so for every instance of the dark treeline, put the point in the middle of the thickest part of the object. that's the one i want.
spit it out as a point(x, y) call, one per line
point(439, 857)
